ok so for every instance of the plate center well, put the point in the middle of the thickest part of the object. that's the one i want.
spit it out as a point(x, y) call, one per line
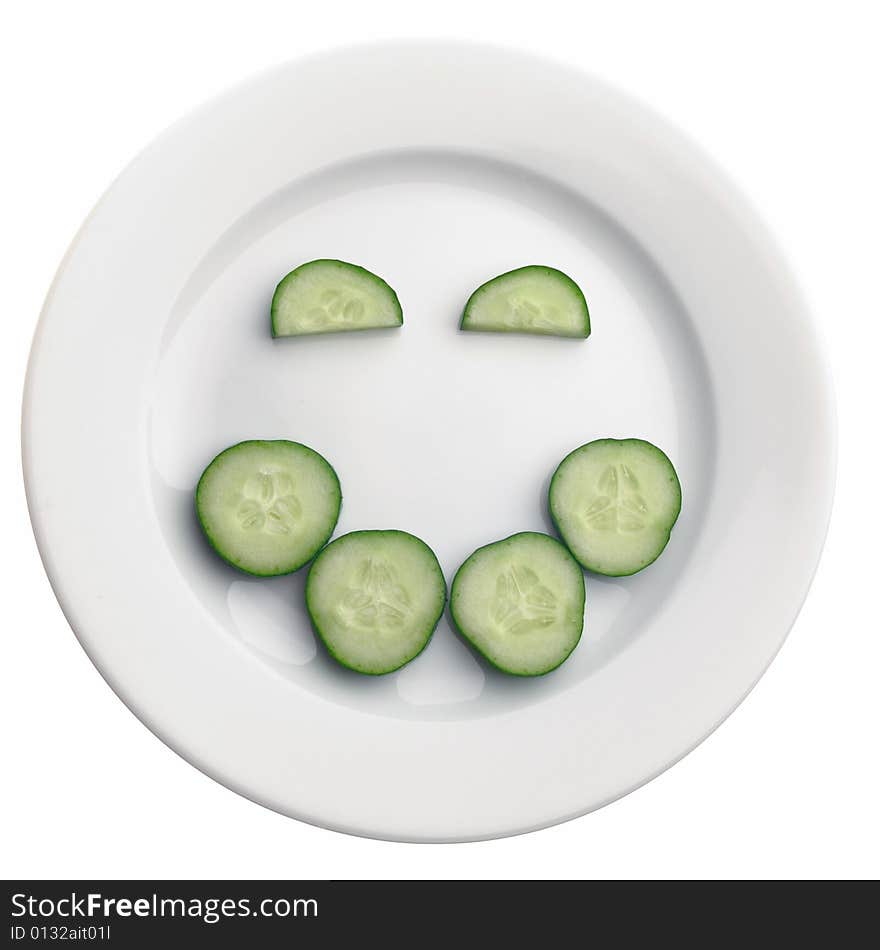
point(451, 436)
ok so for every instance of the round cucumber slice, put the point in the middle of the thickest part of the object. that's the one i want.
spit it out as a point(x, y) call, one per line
point(533, 299)
point(614, 502)
point(268, 507)
point(327, 296)
point(520, 602)
point(375, 598)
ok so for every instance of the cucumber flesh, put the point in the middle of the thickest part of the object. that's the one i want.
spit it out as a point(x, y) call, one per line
point(614, 502)
point(520, 602)
point(267, 507)
point(327, 296)
point(533, 299)
point(375, 598)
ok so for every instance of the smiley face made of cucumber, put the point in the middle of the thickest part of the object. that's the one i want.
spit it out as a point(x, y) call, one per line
point(376, 597)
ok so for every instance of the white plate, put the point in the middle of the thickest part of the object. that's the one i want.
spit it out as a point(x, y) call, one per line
point(437, 166)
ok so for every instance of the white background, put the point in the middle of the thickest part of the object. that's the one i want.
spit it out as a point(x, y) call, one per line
point(785, 95)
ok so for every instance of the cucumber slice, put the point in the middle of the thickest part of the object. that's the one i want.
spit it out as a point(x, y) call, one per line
point(268, 507)
point(330, 296)
point(614, 502)
point(375, 598)
point(520, 602)
point(533, 299)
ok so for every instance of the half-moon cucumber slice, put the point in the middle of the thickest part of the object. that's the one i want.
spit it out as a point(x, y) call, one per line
point(533, 299)
point(327, 296)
